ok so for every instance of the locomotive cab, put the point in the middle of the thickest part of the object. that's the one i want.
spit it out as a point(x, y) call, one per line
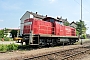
point(49, 19)
point(52, 20)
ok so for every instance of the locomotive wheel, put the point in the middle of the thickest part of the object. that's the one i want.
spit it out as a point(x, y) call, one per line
point(71, 42)
point(39, 46)
point(26, 42)
point(21, 42)
point(52, 45)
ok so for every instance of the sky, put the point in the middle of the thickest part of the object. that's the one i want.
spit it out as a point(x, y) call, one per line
point(12, 10)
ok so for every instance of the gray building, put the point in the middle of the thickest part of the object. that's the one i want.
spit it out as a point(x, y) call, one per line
point(73, 24)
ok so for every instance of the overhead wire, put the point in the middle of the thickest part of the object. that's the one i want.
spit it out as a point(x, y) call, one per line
point(82, 6)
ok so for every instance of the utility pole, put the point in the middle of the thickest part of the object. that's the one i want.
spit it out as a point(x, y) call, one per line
point(81, 20)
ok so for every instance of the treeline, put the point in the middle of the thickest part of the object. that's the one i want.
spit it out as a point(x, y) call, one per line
point(4, 34)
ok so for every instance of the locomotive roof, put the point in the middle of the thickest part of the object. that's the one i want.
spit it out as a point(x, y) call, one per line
point(60, 20)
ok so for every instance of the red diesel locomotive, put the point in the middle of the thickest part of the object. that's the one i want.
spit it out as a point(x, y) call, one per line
point(48, 31)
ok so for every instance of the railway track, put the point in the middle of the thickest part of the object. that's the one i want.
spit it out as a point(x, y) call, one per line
point(61, 55)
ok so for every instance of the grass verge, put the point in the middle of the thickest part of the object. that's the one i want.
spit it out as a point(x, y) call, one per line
point(10, 47)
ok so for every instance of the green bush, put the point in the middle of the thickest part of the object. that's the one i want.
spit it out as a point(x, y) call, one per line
point(12, 47)
point(9, 47)
point(7, 39)
point(83, 36)
point(3, 47)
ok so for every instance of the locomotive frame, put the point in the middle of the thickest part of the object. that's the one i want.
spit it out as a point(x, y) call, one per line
point(51, 40)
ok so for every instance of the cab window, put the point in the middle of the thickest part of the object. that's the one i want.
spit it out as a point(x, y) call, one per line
point(52, 20)
point(61, 23)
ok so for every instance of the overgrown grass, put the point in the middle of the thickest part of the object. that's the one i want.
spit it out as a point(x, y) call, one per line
point(7, 39)
point(13, 47)
point(10, 47)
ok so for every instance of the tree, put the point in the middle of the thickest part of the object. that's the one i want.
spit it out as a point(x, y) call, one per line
point(14, 33)
point(66, 23)
point(5, 32)
point(1, 33)
point(81, 27)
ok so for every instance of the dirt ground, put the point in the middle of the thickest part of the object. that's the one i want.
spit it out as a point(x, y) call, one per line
point(86, 57)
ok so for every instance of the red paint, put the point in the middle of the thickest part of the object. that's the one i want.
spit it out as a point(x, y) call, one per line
point(44, 27)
